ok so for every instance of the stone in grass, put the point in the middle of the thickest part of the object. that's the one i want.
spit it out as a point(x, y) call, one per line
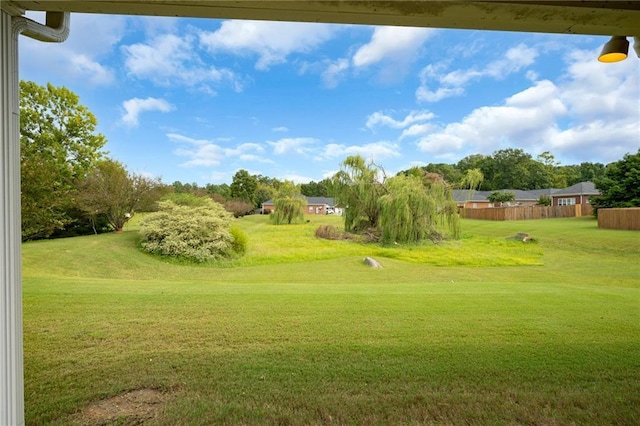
point(372, 262)
point(521, 236)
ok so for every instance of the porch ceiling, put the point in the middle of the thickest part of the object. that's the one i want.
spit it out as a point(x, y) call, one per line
point(569, 17)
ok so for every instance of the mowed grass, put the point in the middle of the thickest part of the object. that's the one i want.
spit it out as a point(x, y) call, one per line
point(300, 331)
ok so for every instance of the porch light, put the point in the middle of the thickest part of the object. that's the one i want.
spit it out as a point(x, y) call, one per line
point(615, 50)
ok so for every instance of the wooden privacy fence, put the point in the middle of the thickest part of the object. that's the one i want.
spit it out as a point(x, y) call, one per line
point(623, 218)
point(525, 213)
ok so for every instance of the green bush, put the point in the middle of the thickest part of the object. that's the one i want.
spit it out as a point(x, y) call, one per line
point(196, 232)
point(544, 200)
point(330, 232)
point(239, 242)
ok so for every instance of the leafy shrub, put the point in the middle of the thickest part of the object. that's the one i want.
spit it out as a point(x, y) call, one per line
point(330, 232)
point(239, 242)
point(238, 208)
point(200, 233)
point(501, 197)
point(544, 200)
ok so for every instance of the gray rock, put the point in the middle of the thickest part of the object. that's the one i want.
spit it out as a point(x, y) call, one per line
point(372, 262)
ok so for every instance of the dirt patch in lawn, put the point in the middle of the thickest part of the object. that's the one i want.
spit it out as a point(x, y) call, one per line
point(134, 407)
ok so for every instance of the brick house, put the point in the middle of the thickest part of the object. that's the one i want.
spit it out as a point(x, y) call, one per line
point(315, 206)
point(575, 194)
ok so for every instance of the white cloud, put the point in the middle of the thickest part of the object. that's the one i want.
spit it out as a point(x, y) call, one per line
point(423, 94)
point(416, 130)
point(329, 174)
point(295, 178)
point(79, 58)
point(334, 72)
point(391, 43)
point(452, 83)
point(380, 119)
point(523, 120)
point(602, 91)
point(134, 107)
point(591, 114)
point(281, 129)
point(376, 151)
point(207, 153)
point(271, 41)
point(169, 59)
point(604, 109)
point(296, 145)
point(393, 49)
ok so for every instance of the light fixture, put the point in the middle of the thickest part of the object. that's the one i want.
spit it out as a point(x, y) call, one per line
point(636, 45)
point(615, 50)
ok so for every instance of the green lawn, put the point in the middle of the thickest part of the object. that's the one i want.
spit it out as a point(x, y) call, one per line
point(300, 331)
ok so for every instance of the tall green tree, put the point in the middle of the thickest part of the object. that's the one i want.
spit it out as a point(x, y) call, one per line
point(111, 191)
point(59, 146)
point(484, 163)
point(620, 186)
point(219, 193)
point(511, 169)
point(243, 187)
point(289, 204)
point(263, 193)
point(590, 172)
point(449, 172)
point(545, 172)
point(317, 189)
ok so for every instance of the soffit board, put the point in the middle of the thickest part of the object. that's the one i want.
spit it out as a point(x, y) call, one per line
point(568, 17)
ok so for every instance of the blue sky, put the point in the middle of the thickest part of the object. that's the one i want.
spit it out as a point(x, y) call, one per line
point(196, 100)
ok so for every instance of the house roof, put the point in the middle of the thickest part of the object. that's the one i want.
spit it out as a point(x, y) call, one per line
point(320, 200)
point(582, 188)
point(465, 195)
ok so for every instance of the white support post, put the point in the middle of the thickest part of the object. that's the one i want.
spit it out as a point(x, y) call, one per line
point(11, 352)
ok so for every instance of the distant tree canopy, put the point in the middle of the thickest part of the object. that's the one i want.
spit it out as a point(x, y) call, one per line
point(322, 188)
point(407, 208)
point(513, 168)
point(620, 185)
point(58, 147)
point(109, 190)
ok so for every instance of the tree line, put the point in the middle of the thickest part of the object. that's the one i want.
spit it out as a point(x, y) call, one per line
point(70, 186)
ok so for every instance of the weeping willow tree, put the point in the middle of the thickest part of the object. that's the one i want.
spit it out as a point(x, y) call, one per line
point(472, 179)
point(289, 204)
point(405, 208)
point(417, 207)
point(358, 188)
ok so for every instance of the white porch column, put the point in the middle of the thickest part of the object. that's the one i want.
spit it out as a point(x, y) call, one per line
point(11, 364)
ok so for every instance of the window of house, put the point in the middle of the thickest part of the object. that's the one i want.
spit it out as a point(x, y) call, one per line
point(566, 201)
point(310, 209)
